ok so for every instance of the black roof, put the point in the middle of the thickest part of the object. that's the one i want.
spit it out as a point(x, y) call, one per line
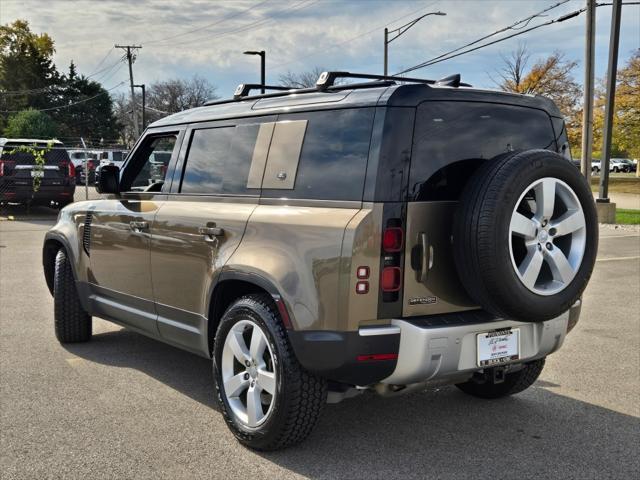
point(383, 91)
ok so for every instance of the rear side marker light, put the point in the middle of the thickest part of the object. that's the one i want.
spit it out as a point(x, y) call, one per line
point(392, 239)
point(282, 309)
point(362, 287)
point(363, 273)
point(391, 279)
point(377, 357)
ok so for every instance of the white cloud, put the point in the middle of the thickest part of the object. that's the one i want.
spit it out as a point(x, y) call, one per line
point(298, 35)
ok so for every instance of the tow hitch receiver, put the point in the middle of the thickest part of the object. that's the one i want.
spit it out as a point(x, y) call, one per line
point(498, 374)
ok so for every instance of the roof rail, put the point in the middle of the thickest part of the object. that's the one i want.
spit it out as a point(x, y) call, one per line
point(328, 79)
point(244, 89)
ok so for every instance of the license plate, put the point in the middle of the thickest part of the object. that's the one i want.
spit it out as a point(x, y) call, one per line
point(37, 173)
point(497, 347)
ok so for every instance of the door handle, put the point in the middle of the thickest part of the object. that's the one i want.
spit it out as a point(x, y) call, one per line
point(138, 226)
point(211, 232)
point(422, 257)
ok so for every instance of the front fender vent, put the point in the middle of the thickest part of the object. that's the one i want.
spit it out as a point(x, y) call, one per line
point(86, 233)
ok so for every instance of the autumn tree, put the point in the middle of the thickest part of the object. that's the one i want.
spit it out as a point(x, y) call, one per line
point(551, 77)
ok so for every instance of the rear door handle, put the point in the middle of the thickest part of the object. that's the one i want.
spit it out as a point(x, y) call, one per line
point(138, 226)
point(422, 257)
point(211, 232)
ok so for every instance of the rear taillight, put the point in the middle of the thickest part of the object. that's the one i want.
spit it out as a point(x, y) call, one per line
point(71, 169)
point(5, 167)
point(391, 268)
point(392, 239)
point(391, 279)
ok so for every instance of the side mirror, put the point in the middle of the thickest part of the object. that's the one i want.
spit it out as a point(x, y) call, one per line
point(108, 179)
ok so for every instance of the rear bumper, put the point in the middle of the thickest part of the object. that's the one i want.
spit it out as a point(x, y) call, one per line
point(435, 348)
point(436, 353)
point(46, 193)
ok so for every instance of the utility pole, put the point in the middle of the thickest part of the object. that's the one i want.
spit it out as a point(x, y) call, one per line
point(144, 105)
point(612, 70)
point(587, 110)
point(130, 59)
point(399, 31)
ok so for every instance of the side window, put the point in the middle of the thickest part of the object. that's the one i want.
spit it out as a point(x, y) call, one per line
point(148, 168)
point(219, 161)
point(332, 159)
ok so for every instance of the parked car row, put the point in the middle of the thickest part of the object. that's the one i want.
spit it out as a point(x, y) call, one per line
point(616, 165)
point(94, 158)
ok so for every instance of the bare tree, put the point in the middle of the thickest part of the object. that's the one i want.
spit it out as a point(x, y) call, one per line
point(551, 77)
point(175, 95)
point(302, 79)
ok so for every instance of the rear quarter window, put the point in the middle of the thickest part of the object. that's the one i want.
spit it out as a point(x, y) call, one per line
point(333, 157)
point(451, 139)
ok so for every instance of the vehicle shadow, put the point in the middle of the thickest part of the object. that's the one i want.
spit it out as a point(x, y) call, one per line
point(436, 433)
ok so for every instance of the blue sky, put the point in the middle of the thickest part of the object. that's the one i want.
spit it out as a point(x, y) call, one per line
point(181, 38)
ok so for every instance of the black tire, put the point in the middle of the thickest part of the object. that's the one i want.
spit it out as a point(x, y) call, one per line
point(300, 396)
point(72, 323)
point(515, 382)
point(482, 240)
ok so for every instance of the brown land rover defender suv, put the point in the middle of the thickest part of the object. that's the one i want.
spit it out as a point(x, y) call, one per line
point(319, 242)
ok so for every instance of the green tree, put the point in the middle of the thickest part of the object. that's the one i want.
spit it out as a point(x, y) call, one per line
point(90, 109)
point(31, 123)
point(27, 71)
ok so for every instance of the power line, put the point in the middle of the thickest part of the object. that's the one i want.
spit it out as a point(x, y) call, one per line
point(70, 104)
point(251, 26)
point(295, 60)
point(204, 27)
point(449, 55)
point(513, 26)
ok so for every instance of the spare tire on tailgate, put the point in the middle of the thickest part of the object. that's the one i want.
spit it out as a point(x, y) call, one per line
point(526, 235)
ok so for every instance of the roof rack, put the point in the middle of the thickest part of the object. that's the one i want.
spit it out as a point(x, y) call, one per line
point(327, 80)
point(244, 89)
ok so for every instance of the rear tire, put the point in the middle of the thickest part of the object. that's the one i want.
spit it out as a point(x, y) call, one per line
point(513, 383)
point(298, 397)
point(72, 323)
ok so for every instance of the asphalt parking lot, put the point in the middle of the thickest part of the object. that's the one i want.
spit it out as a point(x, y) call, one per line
point(124, 406)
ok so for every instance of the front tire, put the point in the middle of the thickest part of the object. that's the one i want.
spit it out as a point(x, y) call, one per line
point(72, 323)
point(515, 382)
point(267, 399)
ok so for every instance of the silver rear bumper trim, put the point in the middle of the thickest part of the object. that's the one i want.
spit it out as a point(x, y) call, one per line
point(434, 353)
point(386, 330)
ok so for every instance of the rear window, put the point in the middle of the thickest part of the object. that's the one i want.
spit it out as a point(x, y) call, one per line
point(219, 160)
point(452, 137)
point(55, 155)
point(333, 157)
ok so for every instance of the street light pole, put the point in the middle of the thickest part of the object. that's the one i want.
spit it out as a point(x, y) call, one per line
point(587, 108)
point(399, 31)
point(263, 56)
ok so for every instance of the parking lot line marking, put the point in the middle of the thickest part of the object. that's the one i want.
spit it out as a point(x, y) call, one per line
point(620, 236)
point(610, 259)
